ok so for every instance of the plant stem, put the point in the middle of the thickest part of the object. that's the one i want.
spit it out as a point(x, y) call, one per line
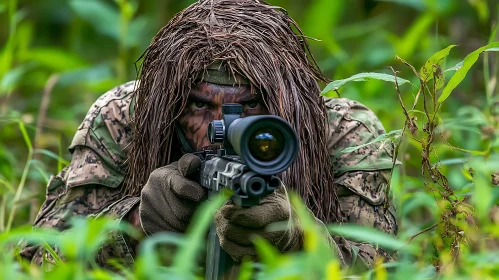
point(23, 178)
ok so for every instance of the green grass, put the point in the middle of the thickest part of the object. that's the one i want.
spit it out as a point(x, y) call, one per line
point(438, 102)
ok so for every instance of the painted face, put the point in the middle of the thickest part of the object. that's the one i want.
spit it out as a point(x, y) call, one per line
point(205, 105)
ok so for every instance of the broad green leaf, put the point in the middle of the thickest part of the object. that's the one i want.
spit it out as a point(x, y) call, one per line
point(333, 270)
point(418, 200)
point(266, 252)
point(432, 67)
point(246, 270)
point(390, 136)
point(12, 77)
point(460, 63)
point(86, 236)
point(92, 74)
point(482, 195)
point(139, 32)
point(482, 9)
point(415, 4)
point(37, 236)
point(335, 85)
point(55, 59)
point(102, 16)
point(456, 67)
point(102, 274)
point(361, 28)
point(426, 71)
point(292, 270)
point(468, 111)
point(369, 234)
point(468, 62)
point(315, 244)
point(406, 46)
point(320, 23)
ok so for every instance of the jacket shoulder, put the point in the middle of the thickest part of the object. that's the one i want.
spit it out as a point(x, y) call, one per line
point(353, 125)
point(99, 147)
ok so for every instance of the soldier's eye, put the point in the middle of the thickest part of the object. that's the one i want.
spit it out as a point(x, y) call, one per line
point(252, 105)
point(199, 104)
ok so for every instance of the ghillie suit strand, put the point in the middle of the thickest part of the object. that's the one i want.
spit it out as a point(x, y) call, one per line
point(256, 40)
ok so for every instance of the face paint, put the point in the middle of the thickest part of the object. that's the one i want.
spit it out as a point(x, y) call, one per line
point(205, 105)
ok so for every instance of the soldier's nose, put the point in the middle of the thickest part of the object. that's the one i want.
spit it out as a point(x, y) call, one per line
point(218, 114)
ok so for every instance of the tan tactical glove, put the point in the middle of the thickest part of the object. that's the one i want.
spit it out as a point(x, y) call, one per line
point(169, 198)
point(236, 225)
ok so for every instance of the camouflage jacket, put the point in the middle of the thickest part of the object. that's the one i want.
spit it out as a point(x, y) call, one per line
point(91, 184)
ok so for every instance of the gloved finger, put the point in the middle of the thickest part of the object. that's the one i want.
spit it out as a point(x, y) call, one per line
point(172, 219)
point(182, 208)
point(156, 219)
point(237, 234)
point(244, 235)
point(186, 188)
point(189, 164)
point(236, 251)
point(257, 216)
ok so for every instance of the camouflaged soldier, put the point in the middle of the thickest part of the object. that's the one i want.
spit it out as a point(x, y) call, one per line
point(131, 155)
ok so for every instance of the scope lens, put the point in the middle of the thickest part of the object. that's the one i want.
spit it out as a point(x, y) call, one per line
point(266, 144)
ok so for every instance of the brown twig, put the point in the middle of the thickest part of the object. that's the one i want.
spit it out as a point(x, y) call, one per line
point(423, 231)
point(418, 234)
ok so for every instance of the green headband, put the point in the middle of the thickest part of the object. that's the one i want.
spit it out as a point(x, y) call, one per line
point(217, 73)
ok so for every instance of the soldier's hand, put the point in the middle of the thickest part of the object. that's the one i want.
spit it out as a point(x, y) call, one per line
point(169, 198)
point(237, 225)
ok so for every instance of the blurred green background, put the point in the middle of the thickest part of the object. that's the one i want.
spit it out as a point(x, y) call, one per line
point(57, 57)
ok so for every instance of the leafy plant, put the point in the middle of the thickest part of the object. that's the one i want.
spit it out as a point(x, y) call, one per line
point(439, 107)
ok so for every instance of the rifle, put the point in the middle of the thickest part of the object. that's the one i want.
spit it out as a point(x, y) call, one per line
point(253, 151)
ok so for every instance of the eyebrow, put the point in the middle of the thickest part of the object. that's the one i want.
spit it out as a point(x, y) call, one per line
point(200, 98)
point(247, 98)
point(252, 97)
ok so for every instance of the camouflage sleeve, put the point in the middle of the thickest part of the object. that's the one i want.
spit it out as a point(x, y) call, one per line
point(91, 184)
point(361, 176)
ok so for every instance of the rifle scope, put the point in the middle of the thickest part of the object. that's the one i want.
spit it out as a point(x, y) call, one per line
point(267, 144)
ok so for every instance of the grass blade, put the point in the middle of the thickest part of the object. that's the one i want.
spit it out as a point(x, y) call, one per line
point(468, 62)
point(335, 85)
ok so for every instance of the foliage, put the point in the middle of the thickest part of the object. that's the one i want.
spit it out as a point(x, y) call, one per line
point(59, 56)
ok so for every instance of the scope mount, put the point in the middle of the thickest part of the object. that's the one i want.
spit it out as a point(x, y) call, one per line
point(217, 129)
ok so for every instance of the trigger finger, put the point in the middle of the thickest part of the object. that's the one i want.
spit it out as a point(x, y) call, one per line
point(187, 189)
point(181, 208)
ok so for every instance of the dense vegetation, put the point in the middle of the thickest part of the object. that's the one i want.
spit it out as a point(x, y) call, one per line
point(428, 69)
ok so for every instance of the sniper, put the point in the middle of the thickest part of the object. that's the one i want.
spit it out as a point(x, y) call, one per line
point(133, 156)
